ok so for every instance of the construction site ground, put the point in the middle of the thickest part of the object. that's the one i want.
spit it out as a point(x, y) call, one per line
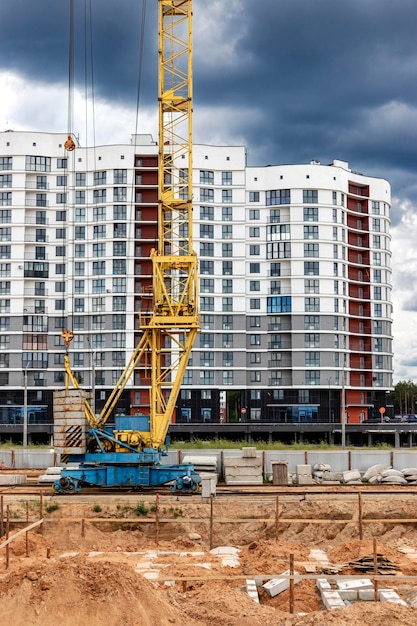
point(86, 565)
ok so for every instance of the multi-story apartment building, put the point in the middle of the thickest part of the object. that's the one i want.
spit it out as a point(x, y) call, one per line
point(294, 281)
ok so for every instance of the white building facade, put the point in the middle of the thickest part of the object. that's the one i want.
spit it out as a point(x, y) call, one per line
point(294, 281)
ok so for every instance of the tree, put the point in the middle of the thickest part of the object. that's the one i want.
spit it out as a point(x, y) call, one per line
point(404, 397)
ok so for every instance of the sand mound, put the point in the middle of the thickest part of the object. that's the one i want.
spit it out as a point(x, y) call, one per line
point(73, 591)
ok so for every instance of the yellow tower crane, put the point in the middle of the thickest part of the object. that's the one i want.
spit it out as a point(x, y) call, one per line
point(169, 330)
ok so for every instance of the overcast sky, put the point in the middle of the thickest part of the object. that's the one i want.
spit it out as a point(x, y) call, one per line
point(292, 80)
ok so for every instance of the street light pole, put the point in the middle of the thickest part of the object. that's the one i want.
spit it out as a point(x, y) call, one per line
point(25, 408)
point(343, 412)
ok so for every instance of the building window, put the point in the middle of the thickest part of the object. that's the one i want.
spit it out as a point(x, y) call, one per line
point(206, 340)
point(227, 322)
point(254, 358)
point(311, 214)
point(227, 196)
point(99, 232)
point(275, 287)
point(227, 304)
point(312, 359)
point(254, 321)
point(119, 248)
point(254, 231)
point(207, 267)
point(207, 322)
point(207, 303)
point(311, 232)
point(36, 164)
point(119, 303)
point(80, 214)
point(206, 377)
point(206, 177)
point(206, 231)
point(311, 249)
point(311, 304)
point(312, 377)
point(254, 268)
point(6, 163)
point(119, 177)
point(254, 304)
point(311, 285)
point(207, 285)
point(255, 340)
point(227, 250)
point(206, 213)
point(312, 340)
point(279, 304)
point(311, 268)
point(227, 232)
point(227, 285)
point(227, 268)
point(278, 196)
point(310, 196)
point(227, 178)
point(254, 196)
point(99, 213)
point(254, 285)
point(227, 214)
point(207, 359)
point(119, 212)
point(207, 248)
point(61, 198)
point(206, 195)
point(311, 322)
point(99, 250)
point(278, 250)
point(119, 194)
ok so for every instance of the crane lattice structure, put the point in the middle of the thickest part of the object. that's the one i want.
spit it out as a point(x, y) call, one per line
point(169, 331)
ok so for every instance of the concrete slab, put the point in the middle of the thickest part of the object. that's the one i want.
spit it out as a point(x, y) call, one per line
point(323, 584)
point(355, 584)
point(276, 586)
point(13, 479)
point(366, 595)
point(332, 600)
point(252, 590)
point(389, 595)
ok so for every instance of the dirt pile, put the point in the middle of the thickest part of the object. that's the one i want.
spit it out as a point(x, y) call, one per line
point(73, 591)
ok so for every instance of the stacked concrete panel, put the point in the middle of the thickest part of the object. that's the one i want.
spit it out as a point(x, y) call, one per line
point(304, 475)
point(246, 470)
point(70, 425)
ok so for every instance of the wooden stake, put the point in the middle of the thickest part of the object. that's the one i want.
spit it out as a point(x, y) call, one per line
point(211, 521)
point(291, 583)
point(27, 534)
point(7, 536)
point(157, 520)
point(375, 572)
point(360, 515)
point(83, 527)
point(277, 518)
point(1, 517)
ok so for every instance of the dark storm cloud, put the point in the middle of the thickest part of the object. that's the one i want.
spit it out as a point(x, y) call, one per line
point(327, 78)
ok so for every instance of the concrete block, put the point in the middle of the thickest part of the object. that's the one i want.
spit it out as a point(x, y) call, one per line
point(277, 585)
point(252, 590)
point(304, 470)
point(348, 594)
point(303, 479)
point(323, 584)
point(332, 600)
point(355, 584)
point(13, 479)
point(389, 595)
point(366, 595)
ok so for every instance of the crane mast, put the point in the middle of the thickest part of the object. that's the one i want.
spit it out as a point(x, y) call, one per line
point(169, 330)
point(174, 323)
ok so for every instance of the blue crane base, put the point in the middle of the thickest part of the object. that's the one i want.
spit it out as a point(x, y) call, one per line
point(180, 477)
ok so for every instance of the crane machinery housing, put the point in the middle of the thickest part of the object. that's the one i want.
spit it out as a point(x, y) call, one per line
point(130, 454)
